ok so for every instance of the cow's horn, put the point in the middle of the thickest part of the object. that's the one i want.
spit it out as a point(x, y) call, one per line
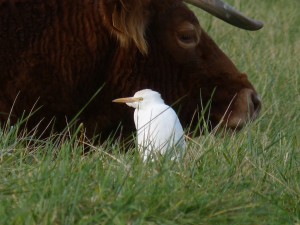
point(227, 13)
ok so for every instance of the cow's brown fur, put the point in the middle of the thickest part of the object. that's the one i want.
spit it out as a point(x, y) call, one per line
point(56, 54)
point(127, 20)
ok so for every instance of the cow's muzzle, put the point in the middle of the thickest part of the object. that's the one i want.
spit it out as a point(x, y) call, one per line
point(245, 107)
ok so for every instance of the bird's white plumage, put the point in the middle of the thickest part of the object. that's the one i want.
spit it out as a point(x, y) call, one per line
point(158, 128)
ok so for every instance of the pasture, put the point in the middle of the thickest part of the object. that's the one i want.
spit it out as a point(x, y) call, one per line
point(252, 177)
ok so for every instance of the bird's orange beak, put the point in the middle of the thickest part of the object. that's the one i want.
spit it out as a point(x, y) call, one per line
point(127, 100)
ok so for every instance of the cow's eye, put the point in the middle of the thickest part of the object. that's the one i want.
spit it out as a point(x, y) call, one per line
point(187, 36)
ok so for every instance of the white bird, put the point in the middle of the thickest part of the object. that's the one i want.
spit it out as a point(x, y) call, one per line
point(158, 128)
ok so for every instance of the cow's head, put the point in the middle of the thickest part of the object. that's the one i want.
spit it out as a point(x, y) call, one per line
point(197, 67)
point(204, 70)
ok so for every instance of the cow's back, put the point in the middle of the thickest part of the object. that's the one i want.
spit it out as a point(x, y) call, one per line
point(53, 53)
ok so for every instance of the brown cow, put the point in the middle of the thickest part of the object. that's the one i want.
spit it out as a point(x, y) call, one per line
point(55, 55)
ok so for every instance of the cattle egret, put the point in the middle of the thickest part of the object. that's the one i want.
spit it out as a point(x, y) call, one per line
point(158, 128)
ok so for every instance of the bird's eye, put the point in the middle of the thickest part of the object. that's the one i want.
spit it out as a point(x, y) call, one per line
point(141, 99)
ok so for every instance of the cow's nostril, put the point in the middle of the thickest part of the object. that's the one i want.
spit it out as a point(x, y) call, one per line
point(246, 107)
point(256, 104)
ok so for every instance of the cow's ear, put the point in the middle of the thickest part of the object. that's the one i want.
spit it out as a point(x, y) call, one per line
point(127, 20)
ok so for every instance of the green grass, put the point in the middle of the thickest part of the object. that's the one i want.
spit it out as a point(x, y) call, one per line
point(249, 178)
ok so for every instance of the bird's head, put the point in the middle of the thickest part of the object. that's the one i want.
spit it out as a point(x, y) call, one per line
point(142, 99)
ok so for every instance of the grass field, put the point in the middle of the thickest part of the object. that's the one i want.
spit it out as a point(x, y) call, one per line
point(250, 178)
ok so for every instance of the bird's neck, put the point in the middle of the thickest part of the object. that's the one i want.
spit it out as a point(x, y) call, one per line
point(150, 105)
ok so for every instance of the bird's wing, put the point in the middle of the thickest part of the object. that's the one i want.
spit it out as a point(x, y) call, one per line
point(167, 125)
point(159, 129)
